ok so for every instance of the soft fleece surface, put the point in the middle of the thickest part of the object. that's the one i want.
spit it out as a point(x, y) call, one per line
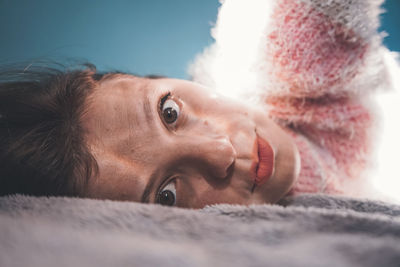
point(308, 230)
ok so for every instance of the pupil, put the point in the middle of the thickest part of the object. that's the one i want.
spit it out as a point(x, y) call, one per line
point(170, 115)
point(166, 198)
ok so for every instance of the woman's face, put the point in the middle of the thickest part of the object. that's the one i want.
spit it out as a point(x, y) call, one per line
point(174, 142)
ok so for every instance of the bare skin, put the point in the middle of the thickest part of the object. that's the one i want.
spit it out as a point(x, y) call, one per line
point(176, 143)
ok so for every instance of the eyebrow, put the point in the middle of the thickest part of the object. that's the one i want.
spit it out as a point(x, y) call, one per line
point(147, 190)
point(148, 111)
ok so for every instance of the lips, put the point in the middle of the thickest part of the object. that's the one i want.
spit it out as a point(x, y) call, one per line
point(263, 165)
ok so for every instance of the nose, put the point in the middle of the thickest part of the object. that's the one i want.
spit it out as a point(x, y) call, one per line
point(215, 154)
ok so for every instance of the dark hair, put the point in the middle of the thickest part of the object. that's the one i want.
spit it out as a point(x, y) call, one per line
point(42, 148)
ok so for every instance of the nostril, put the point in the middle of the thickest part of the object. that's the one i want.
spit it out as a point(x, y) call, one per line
point(224, 158)
point(223, 173)
point(230, 169)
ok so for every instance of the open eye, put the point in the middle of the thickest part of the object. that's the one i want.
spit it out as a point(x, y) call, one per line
point(167, 195)
point(169, 109)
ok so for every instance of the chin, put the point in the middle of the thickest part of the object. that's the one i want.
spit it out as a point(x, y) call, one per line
point(285, 175)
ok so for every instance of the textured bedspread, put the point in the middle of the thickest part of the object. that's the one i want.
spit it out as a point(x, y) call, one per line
point(310, 230)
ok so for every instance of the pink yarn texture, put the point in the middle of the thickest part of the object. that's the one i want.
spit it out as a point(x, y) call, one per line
point(318, 64)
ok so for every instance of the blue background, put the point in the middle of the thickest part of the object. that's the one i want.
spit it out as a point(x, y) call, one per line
point(137, 36)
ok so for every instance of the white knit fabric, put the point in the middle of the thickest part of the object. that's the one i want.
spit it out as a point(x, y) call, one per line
point(281, 53)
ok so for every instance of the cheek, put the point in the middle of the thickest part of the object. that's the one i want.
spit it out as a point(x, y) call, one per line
point(203, 194)
point(225, 196)
point(202, 102)
point(220, 115)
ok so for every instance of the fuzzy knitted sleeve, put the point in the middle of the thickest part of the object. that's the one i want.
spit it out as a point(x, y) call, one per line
point(315, 48)
point(322, 62)
point(315, 64)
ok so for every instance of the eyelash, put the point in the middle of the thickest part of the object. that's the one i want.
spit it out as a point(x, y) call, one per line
point(164, 184)
point(163, 99)
point(182, 116)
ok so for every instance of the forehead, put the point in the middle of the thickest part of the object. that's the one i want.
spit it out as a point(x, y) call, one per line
point(120, 127)
point(121, 84)
point(122, 111)
point(119, 102)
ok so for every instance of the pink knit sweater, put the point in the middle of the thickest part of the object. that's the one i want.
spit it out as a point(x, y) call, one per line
point(318, 63)
point(330, 156)
point(314, 57)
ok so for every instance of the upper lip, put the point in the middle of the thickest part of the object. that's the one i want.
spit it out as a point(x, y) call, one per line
point(262, 167)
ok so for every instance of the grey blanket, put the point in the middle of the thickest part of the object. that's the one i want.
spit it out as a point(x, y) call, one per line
point(310, 230)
